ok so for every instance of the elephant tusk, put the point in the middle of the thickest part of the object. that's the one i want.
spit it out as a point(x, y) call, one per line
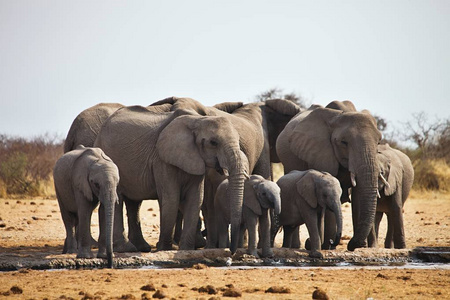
point(246, 175)
point(225, 172)
point(352, 177)
point(385, 181)
point(378, 194)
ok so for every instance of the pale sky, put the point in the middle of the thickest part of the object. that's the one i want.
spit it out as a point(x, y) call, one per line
point(58, 58)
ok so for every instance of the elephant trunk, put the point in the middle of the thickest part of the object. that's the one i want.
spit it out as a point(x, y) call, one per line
point(364, 196)
point(238, 173)
point(338, 215)
point(109, 200)
point(276, 205)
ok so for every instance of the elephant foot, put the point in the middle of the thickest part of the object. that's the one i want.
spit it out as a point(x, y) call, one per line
point(85, 254)
point(142, 246)
point(267, 253)
point(164, 247)
point(102, 253)
point(200, 242)
point(308, 244)
point(253, 253)
point(353, 244)
point(94, 243)
point(125, 247)
point(315, 254)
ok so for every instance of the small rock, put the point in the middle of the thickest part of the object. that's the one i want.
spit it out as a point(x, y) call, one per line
point(150, 209)
point(320, 294)
point(199, 266)
point(19, 202)
point(16, 290)
point(232, 292)
point(128, 296)
point(32, 203)
point(87, 296)
point(2, 225)
point(278, 290)
point(145, 296)
point(181, 285)
point(159, 295)
point(164, 285)
point(148, 287)
point(208, 289)
point(382, 276)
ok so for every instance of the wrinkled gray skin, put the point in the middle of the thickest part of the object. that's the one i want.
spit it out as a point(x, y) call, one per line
point(344, 144)
point(87, 124)
point(83, 177)
point(305, 195)
point(395, 182)
point(258, 126)
point(165, 156)
point(260, 195)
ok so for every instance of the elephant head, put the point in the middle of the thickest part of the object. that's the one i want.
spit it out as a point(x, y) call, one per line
point(194, 143)
point(323, 190)
point(267, 195)
point(97, 176)
point(331, 140)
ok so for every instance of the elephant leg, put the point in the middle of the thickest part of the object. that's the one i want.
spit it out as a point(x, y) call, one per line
point(288, 231)
point(222, 231)
point(295, 241)
point(264, 234)
point(399, 230)
point(209, 214)
point(70, 223)
point(200, 241)
point(372, 238)
point(251, 223)
point(243, 236)
point(389, 240)
point(314, 236)
point(193, 198)
point(85, 210)
point(121, 242)
point(134, 225)
point(178, 228)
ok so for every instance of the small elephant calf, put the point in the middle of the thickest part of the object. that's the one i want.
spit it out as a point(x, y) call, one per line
point(83, 177)
point(305, 195)
point(394, 183)
point(259, 196)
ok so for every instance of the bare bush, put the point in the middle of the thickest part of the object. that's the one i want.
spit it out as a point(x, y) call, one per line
point(26, 164)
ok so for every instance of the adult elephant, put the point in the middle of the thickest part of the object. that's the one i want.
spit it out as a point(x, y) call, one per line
point(86, 125)
point(165, 156)
point(344, 144)
point(258, 125)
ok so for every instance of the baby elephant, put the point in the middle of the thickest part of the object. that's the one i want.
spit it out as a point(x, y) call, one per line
point(305, 195)
point(83, 177)
point(394, 183)
point(259, 196)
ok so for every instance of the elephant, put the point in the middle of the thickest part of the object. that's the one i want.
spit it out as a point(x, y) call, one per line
point(395, 182)
point(165, 156)
point(84, 177)
point(258, 125)
point(344, 144)
point(260, 195)
point(305, 196)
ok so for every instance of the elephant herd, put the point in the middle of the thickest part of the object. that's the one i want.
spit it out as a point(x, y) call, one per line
point(217, 160)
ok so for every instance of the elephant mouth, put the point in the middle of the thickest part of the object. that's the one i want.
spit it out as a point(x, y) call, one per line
point(218, 168)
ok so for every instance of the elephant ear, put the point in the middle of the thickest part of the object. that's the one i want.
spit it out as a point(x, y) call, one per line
point(346, 105)
point(306, 187)
point(310, 140)
point(81, 169)
point(176, 145)
point(251, 195)
point(284, 107)
point(395, 176)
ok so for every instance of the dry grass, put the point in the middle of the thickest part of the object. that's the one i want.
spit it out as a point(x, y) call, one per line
point(432, 175)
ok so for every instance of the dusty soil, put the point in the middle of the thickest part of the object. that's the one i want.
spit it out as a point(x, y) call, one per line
point(32, 235)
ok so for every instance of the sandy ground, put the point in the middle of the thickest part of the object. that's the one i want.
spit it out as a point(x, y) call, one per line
point(32, 228)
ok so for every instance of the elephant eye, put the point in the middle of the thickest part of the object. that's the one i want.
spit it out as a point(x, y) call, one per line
point(97, 185)
point(213, 143)
point(344, 143)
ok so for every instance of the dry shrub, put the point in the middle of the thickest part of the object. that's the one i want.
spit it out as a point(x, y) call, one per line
point(432, 174)
point(26, 165)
